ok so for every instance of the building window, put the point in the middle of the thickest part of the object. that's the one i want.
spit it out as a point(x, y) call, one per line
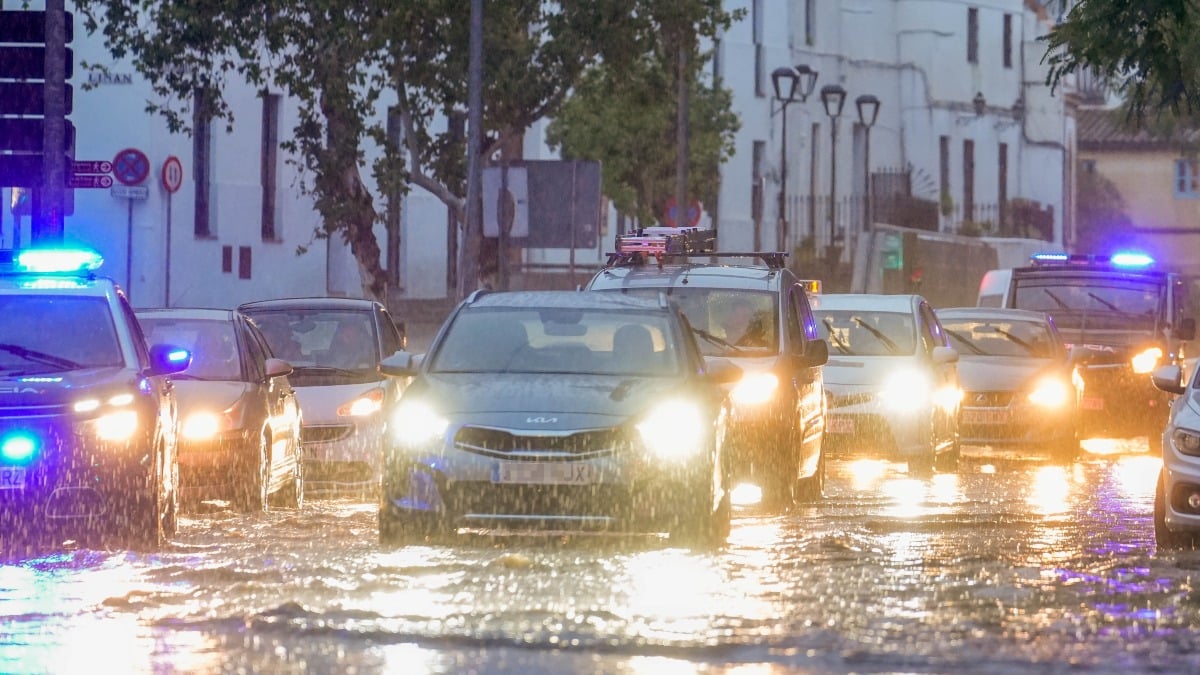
point(227, 259)
point(757, 181)
point(1187, 179)
point(1089, 165)
point(759, 64)
point(810, 22)
point(944, 166)
point(1008, 37)
point(202, 163)
point(1002, 187)
point(243, 262)
point(968, 180)
point(270, 156)
point(972, 35)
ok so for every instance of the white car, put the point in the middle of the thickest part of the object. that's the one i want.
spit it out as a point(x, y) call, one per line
point(891, 382)
point(1177, 499)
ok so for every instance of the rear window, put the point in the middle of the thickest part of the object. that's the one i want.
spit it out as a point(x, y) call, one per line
point(45, 334)
point(728, 322)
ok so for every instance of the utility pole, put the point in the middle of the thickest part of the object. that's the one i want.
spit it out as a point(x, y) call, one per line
point(682, 203)
point(48, 216)
point(468, 277)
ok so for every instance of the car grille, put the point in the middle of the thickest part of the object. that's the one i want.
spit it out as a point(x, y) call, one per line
point(847, 400)
point(34, 411)
point(570, 446)
point(325, 434)
point(986, 399)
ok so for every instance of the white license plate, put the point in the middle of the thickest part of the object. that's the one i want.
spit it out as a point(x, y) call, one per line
point(545, 473)
point(1092, 403)
point(985, 417)
point(12, 477)
point(840, 425)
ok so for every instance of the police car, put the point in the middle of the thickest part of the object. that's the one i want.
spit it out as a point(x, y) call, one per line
point(747, 308)
point(1122, 315)
point(87, 415)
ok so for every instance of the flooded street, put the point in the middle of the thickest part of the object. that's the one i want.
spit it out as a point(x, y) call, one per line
point(1009, 565)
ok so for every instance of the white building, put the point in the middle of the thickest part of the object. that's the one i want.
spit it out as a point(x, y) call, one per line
point(964, 111)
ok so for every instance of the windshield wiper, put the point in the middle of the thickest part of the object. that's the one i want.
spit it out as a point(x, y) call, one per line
point(720, 342)
point(1057, 300)
point(39, 357)
point(964, 341)
point(837, 341)
point(1107, 304)
point(887, 341)
point(1020, 341)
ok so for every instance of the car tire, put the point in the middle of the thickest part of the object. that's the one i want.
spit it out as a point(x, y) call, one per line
point(291, 495)
point(1167, 539)
point(703, 527)
point(139, 518)
point(170, 522)
point(948, 459)
point(1065, 451)
point(812, 489)
point(251, 494)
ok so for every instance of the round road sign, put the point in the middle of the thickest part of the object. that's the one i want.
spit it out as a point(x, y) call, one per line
point(671, 216)
point(131, 166)
point(172, 174)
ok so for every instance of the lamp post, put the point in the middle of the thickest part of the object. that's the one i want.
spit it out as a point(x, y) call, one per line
point(868, 111)
point(833, 96)
point(790, 84)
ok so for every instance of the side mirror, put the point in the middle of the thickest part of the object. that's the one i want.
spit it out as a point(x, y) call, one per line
point(400, 364)
point(277, 367)
point(816, 353)
point(944, 355)
point(722, 371)
point(169, 359)
point(1168, 378)
point(1187, 329)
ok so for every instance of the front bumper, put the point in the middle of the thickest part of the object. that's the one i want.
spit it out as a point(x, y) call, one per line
point(861, 422)
point(997, 419)
point(346, 453)
point(210, 467)
point(1118, 402)
point(1181, 474)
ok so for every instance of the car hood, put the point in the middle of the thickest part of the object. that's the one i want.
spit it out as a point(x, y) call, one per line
point(53, 389)
point(213, 395)
point(1002, 374)
point(319, 405)
point(549, 402)
point(858, 371)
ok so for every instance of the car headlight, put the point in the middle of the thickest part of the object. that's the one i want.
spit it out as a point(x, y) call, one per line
point(907, 390)
point(366, 404)
point(755, 388)
point(416, 422)
point(117, 425)
point(1050, 392)
point(673, 430)
point(1146, 360)
point(1187, 442)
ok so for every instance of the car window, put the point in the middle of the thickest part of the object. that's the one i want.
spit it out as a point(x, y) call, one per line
point(389, 336)
point(931, 331)
point(571, 341)
point(257, 352)
point(997, 337)
point(795, 321)
point(213, 345)
point(321, 338)
point(44, 334)
point(868, 333)
point(728, 321)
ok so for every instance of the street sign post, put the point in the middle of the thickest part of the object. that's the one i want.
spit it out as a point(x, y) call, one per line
point(89, 181)
point(91, 166)
point(172, 174)
point(129, 192)
point(131, 166)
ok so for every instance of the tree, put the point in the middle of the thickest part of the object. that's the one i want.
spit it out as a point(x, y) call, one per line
point(343, 62)
point(1102, 222)
point(1146, 49)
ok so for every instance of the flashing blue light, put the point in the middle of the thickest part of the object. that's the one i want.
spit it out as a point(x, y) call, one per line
point(178, 355)
point(1131, 260)
point(18, 448)
point(58, 260)
point(1050, 257)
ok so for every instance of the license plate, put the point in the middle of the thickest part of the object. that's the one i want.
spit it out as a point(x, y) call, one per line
point(12, 477)
point(840, 425)
point(985, 416)
point(545, 473)
point(1092, 403)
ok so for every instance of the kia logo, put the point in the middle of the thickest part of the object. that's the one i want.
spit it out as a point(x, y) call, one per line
point(541, 420)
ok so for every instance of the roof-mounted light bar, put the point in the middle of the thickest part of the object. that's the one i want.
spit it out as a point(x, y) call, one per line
point(1126, 259)
point(50, 261)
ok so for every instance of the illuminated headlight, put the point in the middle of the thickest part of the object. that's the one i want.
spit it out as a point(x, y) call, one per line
point(367, 404)
point(117, 425)
point(755, 389)
point(1050, 393)
point(201, 426)
point(1187, 442)
point(416, 423)
point(673, 430)
point(1146, 360)
point(907, 390)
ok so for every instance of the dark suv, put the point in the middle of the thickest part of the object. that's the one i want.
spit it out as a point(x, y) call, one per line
point(87, 414)
point(750, 309)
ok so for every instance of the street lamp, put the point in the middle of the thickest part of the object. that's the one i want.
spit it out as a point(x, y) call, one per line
point(868, 111)
point(834, 97)
point(790, 84)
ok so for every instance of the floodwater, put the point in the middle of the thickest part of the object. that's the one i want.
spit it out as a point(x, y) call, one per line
point(1008, 565)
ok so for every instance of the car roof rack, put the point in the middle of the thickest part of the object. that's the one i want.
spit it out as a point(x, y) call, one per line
point(679, 242)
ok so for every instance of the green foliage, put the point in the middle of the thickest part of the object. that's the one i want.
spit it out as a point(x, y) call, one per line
point(1146, 49)
point(1102, 224)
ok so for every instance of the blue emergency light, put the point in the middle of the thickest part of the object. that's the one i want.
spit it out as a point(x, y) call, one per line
point(18, 448)
point(1050, 257)
point(51, 261)
point(1129, 259)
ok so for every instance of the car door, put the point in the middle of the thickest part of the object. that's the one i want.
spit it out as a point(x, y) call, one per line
point(276, 393)
point(945, 375)
point(806, 379)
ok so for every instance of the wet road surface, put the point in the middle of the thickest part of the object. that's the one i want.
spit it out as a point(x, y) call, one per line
point(1009, 565)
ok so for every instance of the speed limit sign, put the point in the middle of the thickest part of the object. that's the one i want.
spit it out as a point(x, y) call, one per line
point(172, 174)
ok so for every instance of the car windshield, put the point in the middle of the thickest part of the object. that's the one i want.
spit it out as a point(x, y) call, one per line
point(868, 333)
point(1096, 303)
point(47, 334)
point(567, 341)
point(727, 322)
point(321, 338)
point(212, 343)
point(993, 337)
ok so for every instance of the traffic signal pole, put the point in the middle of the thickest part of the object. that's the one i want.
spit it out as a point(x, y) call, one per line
point(47, 226)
